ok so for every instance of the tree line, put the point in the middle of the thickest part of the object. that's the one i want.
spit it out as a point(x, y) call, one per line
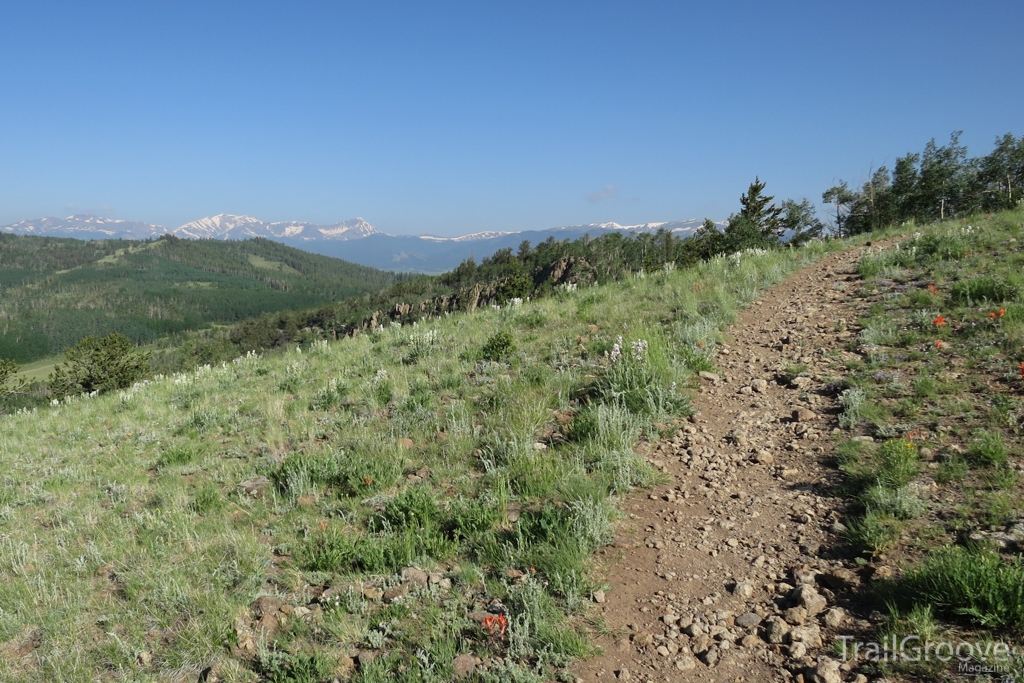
point(938, 183)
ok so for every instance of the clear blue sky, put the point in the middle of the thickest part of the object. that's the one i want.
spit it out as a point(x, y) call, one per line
point(452, 117)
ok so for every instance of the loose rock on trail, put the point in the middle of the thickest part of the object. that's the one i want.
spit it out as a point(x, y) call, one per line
point(727, 573)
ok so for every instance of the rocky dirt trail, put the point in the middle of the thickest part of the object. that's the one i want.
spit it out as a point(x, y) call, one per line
point(728, 573)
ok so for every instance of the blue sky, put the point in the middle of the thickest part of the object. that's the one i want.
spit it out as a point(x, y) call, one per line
point(454, 117)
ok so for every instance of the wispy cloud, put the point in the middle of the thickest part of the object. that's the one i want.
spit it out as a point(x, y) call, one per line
point(606, 192)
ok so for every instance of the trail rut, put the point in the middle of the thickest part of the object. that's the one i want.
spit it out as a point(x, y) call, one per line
point(728, 573)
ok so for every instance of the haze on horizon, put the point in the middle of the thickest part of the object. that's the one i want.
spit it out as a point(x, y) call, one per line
point(466, 117)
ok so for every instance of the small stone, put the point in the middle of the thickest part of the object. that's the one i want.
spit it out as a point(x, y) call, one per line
point(840, 578)
point(765, 457)
point(759, 385)
point(795, 616)
point(464, 666)
point(710, 657)
point(809, 635)
point(797, 650)
point(599, 596)
point(882, 573)
point(805, 577)
point(926, 454)
point(643, 639)
point(750, 641)
point(748, 620)
point(373, 593)
point(827, 671)
point(663, 651)
point(775, 630)
point(804, 415)
point(835, 617)
point(743, 589)
point(416, 577)
point(365, 657)
point(394, 593)
point(624, 674)
point(254, 487)
point(709, 376)
point(145, 658)
point(406, 443)
point(686, 663)
point(810, 599)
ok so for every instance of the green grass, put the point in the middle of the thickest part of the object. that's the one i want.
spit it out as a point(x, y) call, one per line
point(471, 446)
point(941, 349)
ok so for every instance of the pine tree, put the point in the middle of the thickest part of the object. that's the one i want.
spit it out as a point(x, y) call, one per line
point(761, 212)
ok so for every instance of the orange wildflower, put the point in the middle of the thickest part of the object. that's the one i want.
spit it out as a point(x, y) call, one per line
point(939, 321)
point(368, 480)
point(992, 316)
point(939, 344)
point(323, 525)
point(495, 625)
point(933, 289)
point(1022, 368)
point(1001, 312)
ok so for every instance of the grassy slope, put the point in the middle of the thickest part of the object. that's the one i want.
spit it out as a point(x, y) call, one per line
point(54, 292)
point(127, 552)
point(940, 390)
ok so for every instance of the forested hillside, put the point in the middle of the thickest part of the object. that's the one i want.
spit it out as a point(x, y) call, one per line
point(53, 291)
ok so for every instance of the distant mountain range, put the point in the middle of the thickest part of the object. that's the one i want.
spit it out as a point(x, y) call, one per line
point(353, 240)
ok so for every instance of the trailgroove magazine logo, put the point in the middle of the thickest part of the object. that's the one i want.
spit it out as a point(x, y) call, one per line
point(973, 658)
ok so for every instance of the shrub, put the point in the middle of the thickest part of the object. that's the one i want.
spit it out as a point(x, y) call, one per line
point(898, 463)
point(411, 509)
point(991, 289)
point(179, 455)
point(99, 364)
point(987, 449)
point(501, 345)
point(972, 583)
point(853, 402)
point(281, 667)
point(876, 532)
point(901, 503)
point(329, 395)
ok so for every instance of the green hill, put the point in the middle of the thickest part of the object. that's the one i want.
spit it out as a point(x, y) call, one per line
point(379, 491)
point(55, 291)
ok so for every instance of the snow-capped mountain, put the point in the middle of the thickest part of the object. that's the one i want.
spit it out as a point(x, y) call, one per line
point(225, 226)
point(85, 227)
point(353, 240)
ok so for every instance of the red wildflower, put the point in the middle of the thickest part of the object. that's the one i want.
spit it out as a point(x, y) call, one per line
point(1022, 368)
point(992, 316)
point(939, 344)
point(939, 321)
point(368, 480)
point(1001, 312)
point(933, 289)
point(495, 625)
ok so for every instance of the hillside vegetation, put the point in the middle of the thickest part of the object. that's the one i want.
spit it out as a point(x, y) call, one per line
point(55, 291)
point(403, 497)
